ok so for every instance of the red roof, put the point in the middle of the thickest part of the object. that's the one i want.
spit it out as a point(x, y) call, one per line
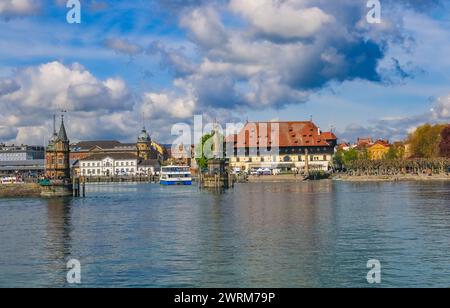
point(343, 146)
point(382, 142)
point(280, 134)
point(329, 136)
point(364, 142)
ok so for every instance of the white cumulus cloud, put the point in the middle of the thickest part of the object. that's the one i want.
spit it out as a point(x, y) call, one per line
point(16, 8)
point(290, 19)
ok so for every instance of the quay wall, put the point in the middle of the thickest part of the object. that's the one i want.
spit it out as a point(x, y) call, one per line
point(276, 178)
point(20, 190)
point(133, 179)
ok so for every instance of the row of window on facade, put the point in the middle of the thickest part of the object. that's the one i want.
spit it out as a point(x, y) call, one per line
point(54, 161)
point(99, 171)
point(267, 150)
point(108, 164)
point(284, 159)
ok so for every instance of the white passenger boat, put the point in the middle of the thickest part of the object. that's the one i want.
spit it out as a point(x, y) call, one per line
point(175, 175)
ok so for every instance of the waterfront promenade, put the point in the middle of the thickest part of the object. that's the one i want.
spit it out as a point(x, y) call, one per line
point(32, 189)
point(391, 178)
point(288, 178)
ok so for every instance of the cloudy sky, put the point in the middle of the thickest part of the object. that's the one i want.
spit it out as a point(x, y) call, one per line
point(230, 60)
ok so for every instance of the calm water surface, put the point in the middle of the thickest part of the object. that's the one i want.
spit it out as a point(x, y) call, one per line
point(258, 235)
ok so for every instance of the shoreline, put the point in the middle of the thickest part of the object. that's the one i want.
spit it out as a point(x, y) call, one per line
point(391, 178)
point(275, 178)
point(26, 190)
point(346, 178)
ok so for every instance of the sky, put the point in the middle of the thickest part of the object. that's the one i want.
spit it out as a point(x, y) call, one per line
point(228, 60)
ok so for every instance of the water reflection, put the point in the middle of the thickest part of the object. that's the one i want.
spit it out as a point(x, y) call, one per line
point(59, 241)
point(257, 235)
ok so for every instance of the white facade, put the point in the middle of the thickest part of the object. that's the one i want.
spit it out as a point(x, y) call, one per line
point(318, 162)
point(147, 170)
point(109, 167)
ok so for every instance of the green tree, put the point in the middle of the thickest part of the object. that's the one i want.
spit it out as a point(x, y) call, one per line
point(392, 153)
point(203, 152)
point(338, 159)
point(351, 156)
point(363, 154)
point(396, 151)
point(200, 156)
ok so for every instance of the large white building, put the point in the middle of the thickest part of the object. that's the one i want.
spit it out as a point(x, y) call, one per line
point(286, 146)
point(120, 164)
point(116, 164)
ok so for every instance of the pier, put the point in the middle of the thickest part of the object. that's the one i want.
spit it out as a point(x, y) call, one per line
point(218, 175)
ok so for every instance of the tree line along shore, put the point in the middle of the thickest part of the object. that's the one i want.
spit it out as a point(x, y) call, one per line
point(425, 154)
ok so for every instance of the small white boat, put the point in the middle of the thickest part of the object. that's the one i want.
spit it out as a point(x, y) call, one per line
point(10, 180)
point(175, 175)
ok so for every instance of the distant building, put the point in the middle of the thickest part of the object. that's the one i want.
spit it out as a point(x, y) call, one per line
point(364, 143)
point(144, 148)
point(149, 167)
point(85, 149)
point(344, 146)
point(378, 150)
point(182, 155)
point(288, 146)
point(408, 151)
point(116, 164)
point(57, 155)
point(24, 168)
point(21, 153)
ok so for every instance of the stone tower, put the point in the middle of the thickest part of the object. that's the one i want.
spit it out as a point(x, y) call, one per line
point(57, 156)
point(144, 145)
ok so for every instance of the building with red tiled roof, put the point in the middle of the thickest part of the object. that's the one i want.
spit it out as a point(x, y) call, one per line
point(362, 143)
point(344, 146)
point(290, 146)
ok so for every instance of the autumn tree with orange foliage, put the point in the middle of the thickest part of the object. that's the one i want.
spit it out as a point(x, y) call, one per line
point(425, 141)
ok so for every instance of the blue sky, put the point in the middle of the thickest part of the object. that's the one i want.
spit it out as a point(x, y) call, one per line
point(230, 60)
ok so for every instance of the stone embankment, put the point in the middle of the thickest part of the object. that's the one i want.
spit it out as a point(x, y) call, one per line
point(19, 190)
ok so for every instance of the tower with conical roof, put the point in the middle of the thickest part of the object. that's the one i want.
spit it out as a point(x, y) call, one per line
point(144, 142)
point(144, 145)
point(57, 157)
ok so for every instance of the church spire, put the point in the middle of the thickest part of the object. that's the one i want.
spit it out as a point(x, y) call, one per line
point(54, 125)
point(62, 136)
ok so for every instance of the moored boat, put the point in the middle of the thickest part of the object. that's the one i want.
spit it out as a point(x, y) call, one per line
point(175, 175)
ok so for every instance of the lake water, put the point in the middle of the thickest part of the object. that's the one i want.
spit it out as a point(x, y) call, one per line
point(317, 234)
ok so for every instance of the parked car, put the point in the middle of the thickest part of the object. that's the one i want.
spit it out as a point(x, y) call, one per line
point(236, 171)
point(254, 172)
point(266, 171)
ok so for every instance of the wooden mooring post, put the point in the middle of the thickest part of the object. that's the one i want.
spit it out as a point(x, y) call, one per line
point(78, 187)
